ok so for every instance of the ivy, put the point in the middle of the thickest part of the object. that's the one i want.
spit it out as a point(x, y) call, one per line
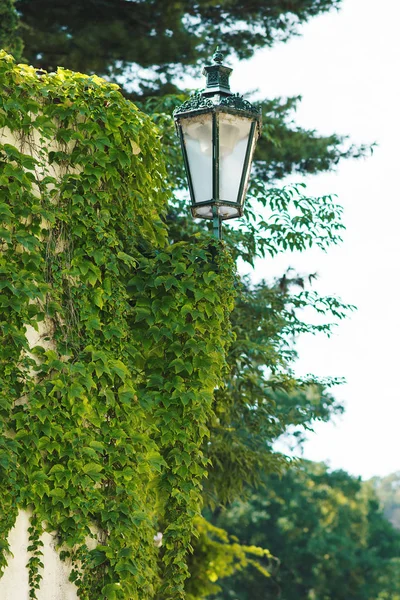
point(186, 326)
point(104, 417)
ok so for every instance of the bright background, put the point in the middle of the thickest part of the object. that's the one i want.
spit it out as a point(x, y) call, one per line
point(346, 67)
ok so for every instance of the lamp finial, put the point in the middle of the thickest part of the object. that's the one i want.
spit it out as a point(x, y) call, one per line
point(218, 57)
point(217, 76)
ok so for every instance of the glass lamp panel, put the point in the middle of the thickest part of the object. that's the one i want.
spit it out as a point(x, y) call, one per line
point(197, 135)
point(233, 140)
point(253, 143)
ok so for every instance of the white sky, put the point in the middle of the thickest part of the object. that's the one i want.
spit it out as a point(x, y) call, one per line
point(346, 67)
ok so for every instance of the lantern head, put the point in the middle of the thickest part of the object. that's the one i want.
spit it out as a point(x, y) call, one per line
point(218, 131)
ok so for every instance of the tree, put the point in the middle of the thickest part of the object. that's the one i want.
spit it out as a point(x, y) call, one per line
point(329, 536)
point(110, 36)
point(9, 39)
point(148, 45)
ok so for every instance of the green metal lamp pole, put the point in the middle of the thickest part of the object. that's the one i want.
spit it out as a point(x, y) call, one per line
point(218, 131)
point(217, 224)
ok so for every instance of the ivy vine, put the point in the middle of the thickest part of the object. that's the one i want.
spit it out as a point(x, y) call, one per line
point(103, 418)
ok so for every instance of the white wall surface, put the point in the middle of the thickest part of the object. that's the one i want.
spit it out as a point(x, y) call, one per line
point(14, 584)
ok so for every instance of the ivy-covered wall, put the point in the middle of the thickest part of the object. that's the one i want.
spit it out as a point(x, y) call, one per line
point(103, 418)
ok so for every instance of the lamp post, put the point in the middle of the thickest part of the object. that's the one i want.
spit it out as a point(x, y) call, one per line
point(218, 131)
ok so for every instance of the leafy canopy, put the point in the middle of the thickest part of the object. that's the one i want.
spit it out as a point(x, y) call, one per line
point(109, 37)
point(327, 532)
point(148, 45)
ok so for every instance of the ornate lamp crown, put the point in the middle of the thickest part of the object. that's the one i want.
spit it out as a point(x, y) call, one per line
point(217, 93)
point(217, 76)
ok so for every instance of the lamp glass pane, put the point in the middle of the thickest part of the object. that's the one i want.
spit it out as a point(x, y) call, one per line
point(233, 139)
point(197, 135)
point(248, 169)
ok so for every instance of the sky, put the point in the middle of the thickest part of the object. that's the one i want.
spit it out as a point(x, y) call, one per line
point(345, 66)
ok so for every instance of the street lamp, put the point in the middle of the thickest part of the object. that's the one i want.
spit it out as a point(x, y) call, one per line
point(218, 131)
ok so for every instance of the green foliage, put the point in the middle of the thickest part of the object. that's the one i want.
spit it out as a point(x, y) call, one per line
point(389, 581)
point(9, 31)
point(218, 555)
point(330, 538)
point(251, 417)
point(183, 302)
point(108, 38)
point(104, 416)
